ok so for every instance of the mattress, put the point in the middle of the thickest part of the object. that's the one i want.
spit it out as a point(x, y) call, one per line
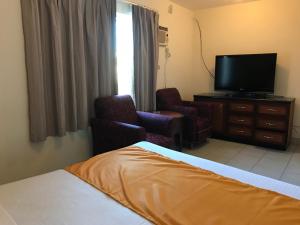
point(62, 199)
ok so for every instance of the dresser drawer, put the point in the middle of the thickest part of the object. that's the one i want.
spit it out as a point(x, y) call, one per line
point(277, 110)
point(240, 131)
point(272, 124)
point(242, 107)
point(270, 137)
point(241, 120)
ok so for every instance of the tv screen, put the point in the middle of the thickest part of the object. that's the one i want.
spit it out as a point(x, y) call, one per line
point(246, 73)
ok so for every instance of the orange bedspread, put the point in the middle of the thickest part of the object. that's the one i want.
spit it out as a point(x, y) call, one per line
point(165, 191)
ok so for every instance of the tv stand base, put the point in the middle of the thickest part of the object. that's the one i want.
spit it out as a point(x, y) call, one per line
point(259, 121)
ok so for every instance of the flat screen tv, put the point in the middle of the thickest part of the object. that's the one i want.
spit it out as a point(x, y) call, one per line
point(252, 73)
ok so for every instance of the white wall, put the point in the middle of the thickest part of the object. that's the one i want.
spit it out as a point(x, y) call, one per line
point(256, 27)
point(18, 157)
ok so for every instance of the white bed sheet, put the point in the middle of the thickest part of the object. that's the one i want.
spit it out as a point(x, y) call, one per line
point(59, 198)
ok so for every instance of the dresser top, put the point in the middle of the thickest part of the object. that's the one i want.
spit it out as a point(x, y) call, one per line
point(270, 98)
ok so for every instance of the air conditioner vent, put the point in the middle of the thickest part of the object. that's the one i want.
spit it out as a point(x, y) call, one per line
point(163, 36)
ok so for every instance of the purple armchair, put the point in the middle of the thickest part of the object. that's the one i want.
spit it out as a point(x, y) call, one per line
point(118, 124)
point(197, 116)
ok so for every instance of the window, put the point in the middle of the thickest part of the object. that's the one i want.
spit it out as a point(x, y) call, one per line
point(124, 39)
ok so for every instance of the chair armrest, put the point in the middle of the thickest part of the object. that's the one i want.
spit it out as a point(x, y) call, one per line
point(156, 123)
point(185, 110)
point(204, 109)
point(110, 135)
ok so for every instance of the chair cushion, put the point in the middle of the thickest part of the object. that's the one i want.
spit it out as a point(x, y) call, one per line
point(117, 108)
point(160, 140)
point(202, 123)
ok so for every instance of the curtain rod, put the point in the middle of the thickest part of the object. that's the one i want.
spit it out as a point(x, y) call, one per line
point(133, 3)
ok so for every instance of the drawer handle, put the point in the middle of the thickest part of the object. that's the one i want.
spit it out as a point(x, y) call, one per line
point(241, 131)
point(268, 137)
point(270, 124)
point(241, 121)
point(272, 110)
point(242, 107)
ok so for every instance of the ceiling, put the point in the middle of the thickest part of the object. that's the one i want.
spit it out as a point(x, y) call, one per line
point(202, 4)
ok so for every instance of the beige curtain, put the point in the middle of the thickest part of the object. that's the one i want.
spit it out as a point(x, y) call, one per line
point(145, 32)
point(70, 58)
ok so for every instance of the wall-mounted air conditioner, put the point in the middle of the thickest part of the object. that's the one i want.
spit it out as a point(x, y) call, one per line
point(163, 36)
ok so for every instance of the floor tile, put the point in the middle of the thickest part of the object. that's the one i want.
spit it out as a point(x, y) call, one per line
point(212, 154)
point(294, 164)
point(278, 156)
point(293, 178)
point(216, 158)
point(271, 165)
point(284, 165)
point(217, 150)
point(245, 160)
point(254, 151)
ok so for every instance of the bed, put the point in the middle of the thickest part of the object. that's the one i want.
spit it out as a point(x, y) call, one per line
point(60, 198)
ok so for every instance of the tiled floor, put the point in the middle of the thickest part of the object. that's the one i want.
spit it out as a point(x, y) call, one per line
point(281, 165)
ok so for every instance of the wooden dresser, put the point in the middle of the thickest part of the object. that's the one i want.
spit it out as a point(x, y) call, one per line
point(259, 121)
